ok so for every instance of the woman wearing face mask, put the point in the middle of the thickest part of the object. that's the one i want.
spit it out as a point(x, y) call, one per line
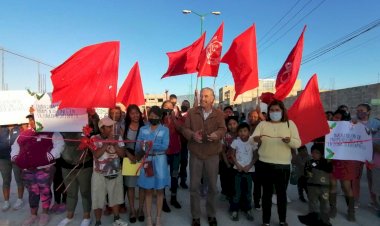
point(276, 137)
point(173, 152)
point(363, 112)
point(154, 174)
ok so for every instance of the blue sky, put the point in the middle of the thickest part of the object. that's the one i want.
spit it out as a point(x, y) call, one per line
point(51, 31)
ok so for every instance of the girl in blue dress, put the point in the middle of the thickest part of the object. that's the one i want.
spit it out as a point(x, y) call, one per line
point(154, 174)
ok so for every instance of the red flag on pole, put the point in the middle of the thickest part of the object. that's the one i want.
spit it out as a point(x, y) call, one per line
point(185, 61)
point(131, 92)
point(209, 59)
point(88, 78)
point(308, 114)
point(242, 61)
point(288, 73)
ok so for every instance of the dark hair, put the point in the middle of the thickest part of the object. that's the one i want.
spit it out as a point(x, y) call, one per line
point(172, 96)
point(282, 106)
point(166, 101)
point(228, 107)
point(243, 125)
point(343, 113)
point(128, 120)
point(229, 118)
point(156, 110)
point(329, 112)
point(302, 148)
point(366, 105)
point(318, 147)
point(117, 108)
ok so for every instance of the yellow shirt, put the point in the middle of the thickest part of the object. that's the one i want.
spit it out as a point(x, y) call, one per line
point(273, 149)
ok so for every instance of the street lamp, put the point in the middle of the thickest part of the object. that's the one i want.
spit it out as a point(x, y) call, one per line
point(202, 17)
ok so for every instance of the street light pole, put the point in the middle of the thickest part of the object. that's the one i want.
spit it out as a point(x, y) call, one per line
point(202, 17)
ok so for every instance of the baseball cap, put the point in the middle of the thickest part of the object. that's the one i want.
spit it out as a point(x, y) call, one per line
point(106, 121)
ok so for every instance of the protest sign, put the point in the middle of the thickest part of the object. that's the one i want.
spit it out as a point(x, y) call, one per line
point(348, 141)
point(14, 106)
point(49, 119)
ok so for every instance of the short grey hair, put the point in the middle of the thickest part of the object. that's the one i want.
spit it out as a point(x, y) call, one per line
point(209, 89)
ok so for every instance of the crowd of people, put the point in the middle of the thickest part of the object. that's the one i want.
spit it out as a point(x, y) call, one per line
point(253, 158)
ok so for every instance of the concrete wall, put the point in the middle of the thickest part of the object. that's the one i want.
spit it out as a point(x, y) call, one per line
point(349, 96)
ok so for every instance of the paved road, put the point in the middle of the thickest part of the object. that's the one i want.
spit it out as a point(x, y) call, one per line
point(365, 216)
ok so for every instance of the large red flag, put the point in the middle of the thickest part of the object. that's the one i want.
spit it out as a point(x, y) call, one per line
point(185, 61)
point(131, 92)
point(242, 61)
point(88, 78)
point(209, 59)
point(308, 114)
point(288, 73)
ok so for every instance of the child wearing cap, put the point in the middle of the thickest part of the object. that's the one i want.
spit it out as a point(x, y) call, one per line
point(106, 178)
point(317, 172)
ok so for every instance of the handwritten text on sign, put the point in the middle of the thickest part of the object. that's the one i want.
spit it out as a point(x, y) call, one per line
point(14, 106)
point(49, 119)
point(347, 141)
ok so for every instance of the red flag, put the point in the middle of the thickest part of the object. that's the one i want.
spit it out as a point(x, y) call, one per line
point(131, 92)
point(88, 78)
point(308, 114)
point(242, 61)
point(209, 59)
point(185, 61)
point(288, 73)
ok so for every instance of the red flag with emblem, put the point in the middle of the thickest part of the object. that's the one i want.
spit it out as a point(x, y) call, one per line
point(209, 59)
point(88, 78)
point(288, 73)
point(241, 58)
point(131, 92)
point(308, 114)
point(185, 61)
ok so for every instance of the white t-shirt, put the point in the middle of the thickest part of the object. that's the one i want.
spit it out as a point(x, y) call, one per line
point(244, 152)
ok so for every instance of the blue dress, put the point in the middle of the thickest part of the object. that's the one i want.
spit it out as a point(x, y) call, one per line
point(160, 138)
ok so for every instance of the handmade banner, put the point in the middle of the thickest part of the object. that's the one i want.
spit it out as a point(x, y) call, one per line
point(49, 119)
point(347, 141)
point(14, 106)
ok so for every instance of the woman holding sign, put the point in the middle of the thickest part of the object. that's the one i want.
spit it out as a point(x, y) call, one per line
point(276, 137)
point(154, 174)
point(133, 123)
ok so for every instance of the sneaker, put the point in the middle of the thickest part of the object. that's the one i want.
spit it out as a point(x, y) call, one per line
point(30, 220)
point(54, 208)
point(373, 205)
point(249, 215)
point(18, 204)
point(85, 222)
point(6, 206)
point(119, 223)
point(234, 216)
point(44, 219)
point(64, 222)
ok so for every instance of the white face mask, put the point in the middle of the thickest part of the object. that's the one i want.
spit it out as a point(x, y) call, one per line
point(275, 116)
